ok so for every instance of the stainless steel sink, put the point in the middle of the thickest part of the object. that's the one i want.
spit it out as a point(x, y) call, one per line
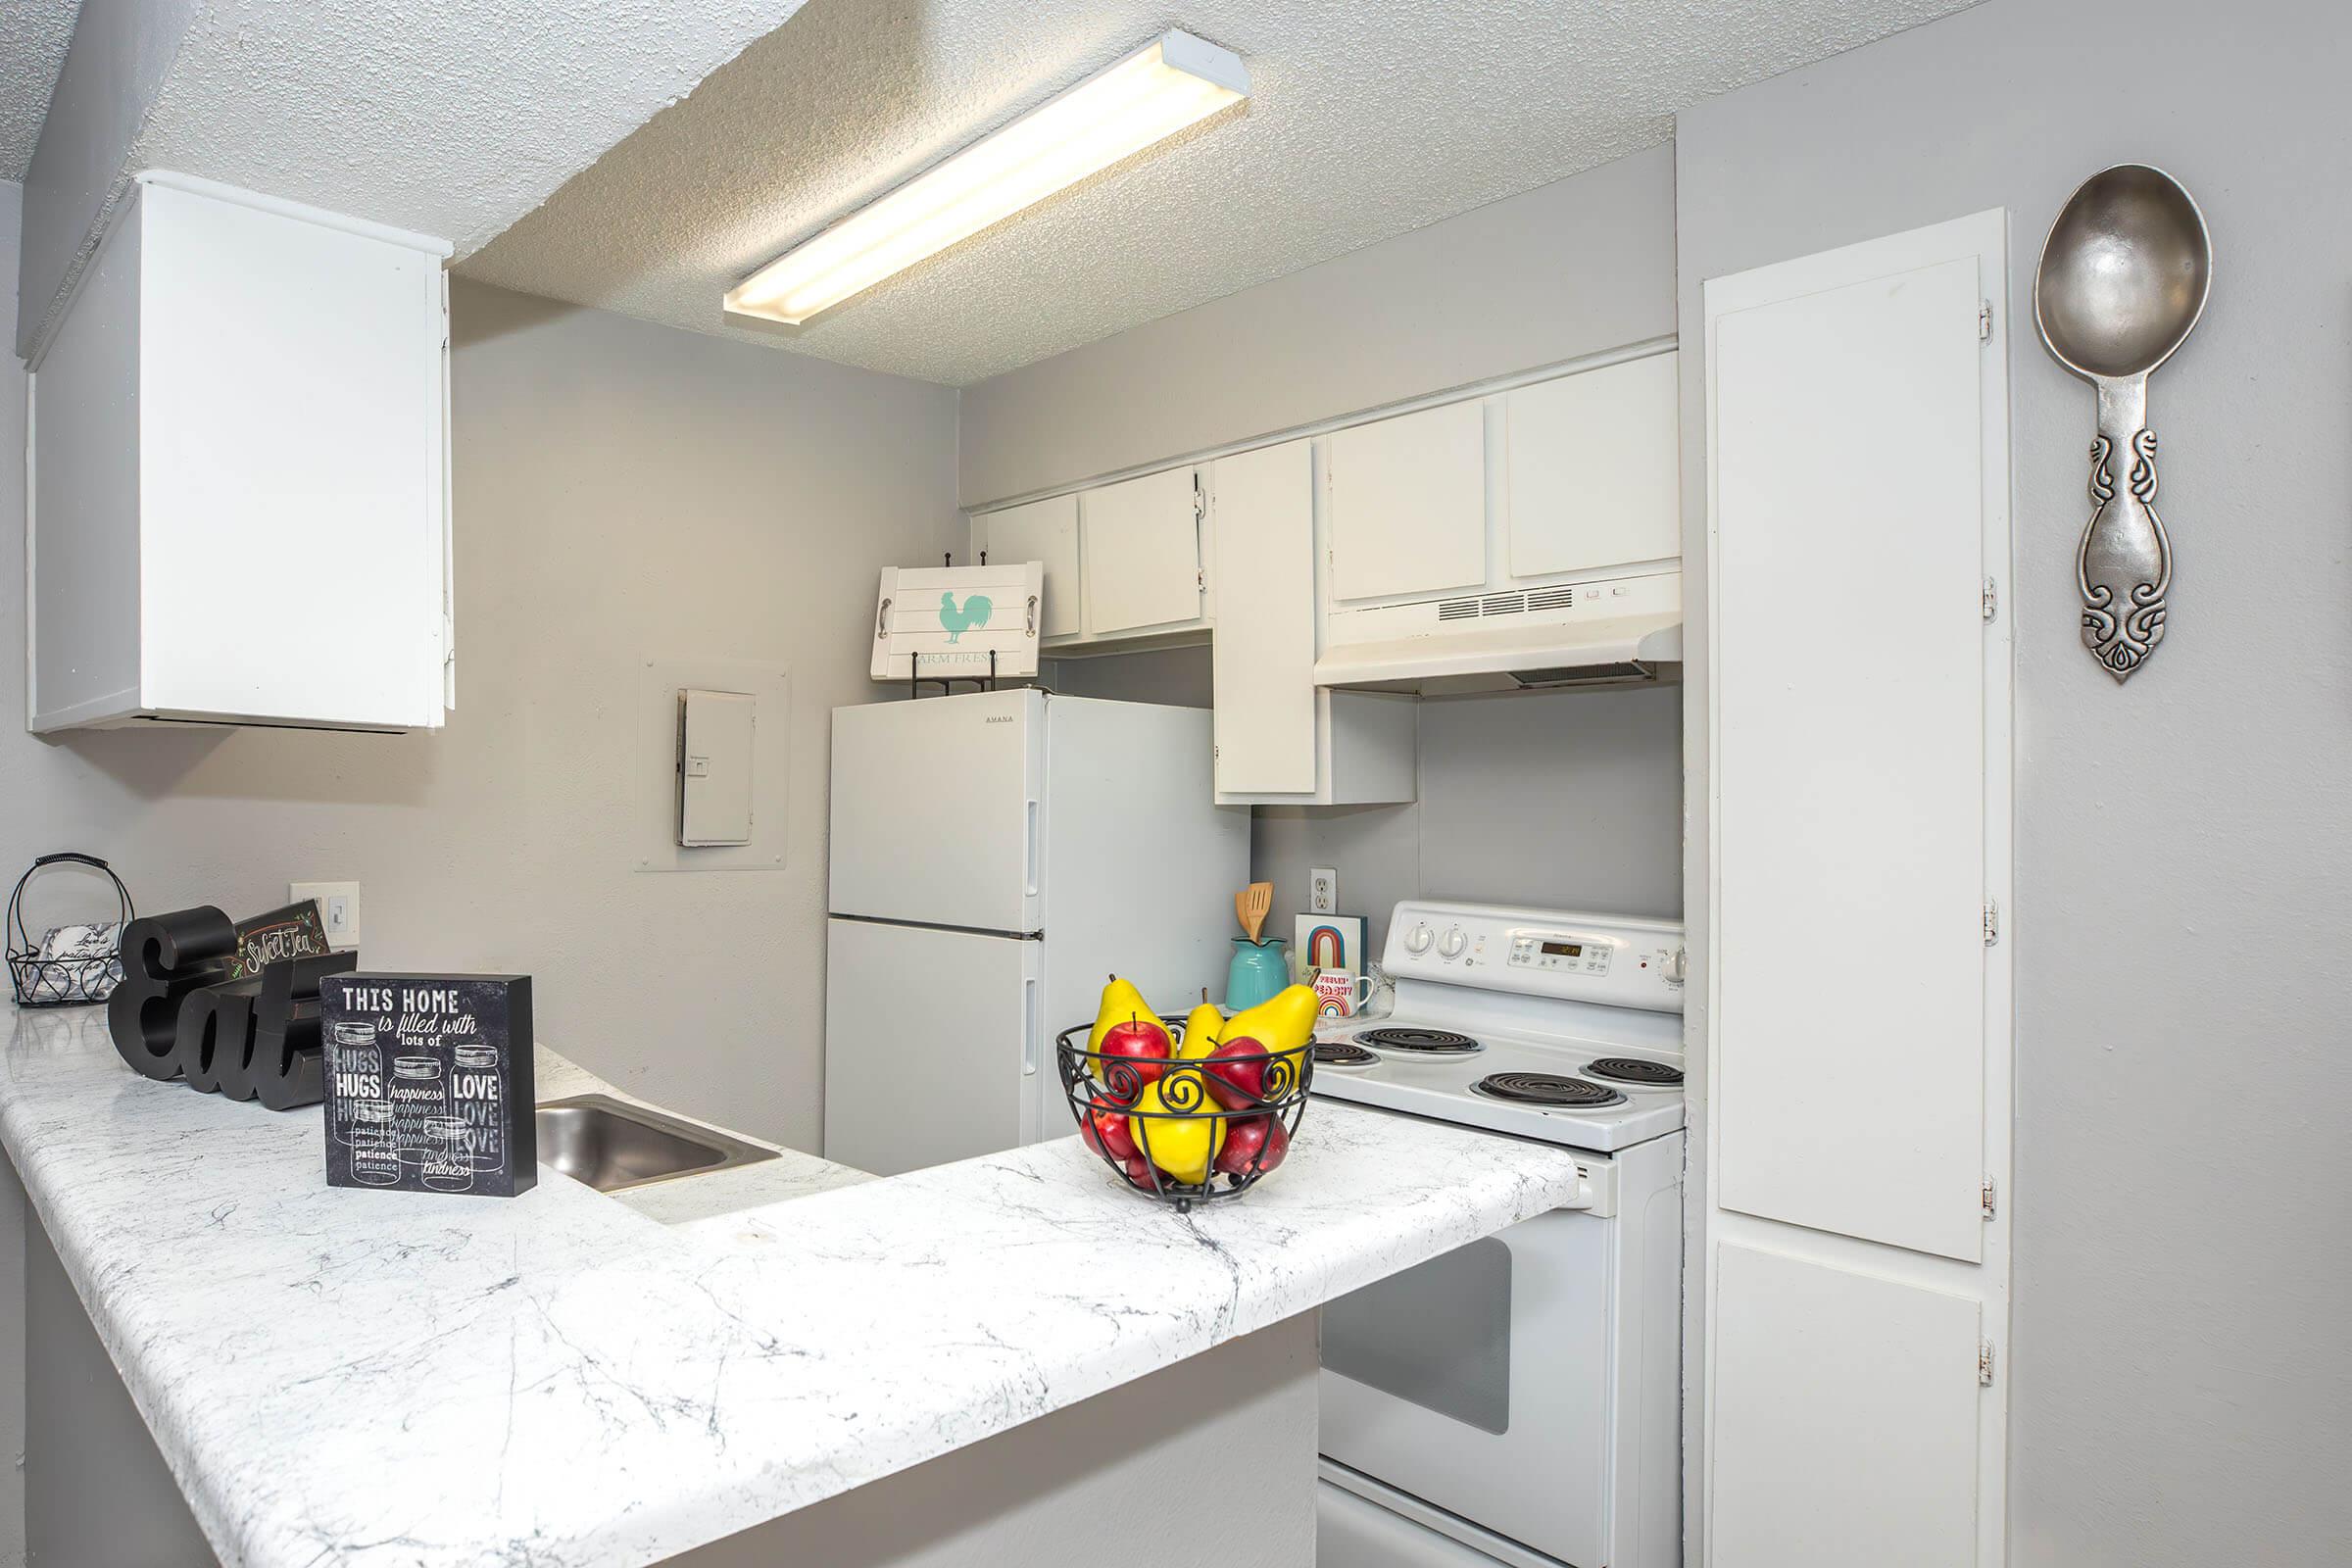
point(612, 1145)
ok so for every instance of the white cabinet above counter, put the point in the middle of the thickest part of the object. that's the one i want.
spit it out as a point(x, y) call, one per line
point(1522, 536)
point(239, 474)
point(1125, 563)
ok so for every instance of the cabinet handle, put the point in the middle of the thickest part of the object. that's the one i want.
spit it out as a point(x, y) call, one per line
point(882, 622)
point(1032, 628)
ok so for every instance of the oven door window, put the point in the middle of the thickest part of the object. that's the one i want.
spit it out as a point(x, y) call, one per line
point(1388, 1336)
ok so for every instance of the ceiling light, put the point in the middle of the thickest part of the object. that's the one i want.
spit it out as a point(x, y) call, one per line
point(1171, 82)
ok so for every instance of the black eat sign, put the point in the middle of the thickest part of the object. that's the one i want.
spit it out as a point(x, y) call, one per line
point(179, 1014)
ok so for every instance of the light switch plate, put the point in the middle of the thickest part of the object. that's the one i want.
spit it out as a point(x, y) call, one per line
point(1322, 891)
point(338, 909)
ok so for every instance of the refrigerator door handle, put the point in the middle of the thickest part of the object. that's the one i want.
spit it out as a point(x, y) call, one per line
point(1029, 851)
point(1029, 1026)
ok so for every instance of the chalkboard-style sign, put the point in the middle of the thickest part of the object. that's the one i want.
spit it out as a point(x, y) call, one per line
point(293, 932)
point(430, 1083)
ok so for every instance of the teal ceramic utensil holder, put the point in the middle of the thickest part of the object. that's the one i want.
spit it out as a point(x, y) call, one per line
point(1259, 969)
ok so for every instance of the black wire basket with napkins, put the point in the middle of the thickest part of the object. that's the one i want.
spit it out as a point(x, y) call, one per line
point(72, 966)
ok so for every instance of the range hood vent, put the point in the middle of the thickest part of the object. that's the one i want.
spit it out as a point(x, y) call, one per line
point(1613, 633)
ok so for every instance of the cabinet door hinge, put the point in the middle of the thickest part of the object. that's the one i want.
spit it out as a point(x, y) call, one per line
point(1984, 1363)
point(1992, 598)
point(1993, 921)
point(1985, 321)
point(1991, 1197)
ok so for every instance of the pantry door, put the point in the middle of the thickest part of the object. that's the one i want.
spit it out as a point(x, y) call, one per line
point(1852, 1250)
point(1850, 758)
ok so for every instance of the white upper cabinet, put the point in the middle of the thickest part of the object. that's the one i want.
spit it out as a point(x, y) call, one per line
point(239, 496)
point(1263, 656)
point(1409, 504)
point(1591, 467)
point(1042, 530)
point(1141, 552)
point(1280, 739)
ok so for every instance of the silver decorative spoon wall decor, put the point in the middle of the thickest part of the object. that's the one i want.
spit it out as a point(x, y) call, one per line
point(2123, 277)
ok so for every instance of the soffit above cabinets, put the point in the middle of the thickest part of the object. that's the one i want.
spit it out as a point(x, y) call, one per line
point(1365, 122)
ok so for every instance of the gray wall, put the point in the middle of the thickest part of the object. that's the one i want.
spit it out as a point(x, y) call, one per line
point(1567, 798)
point(2183, 1245)
point(1566, 270)
point(111, 73)
point(624, 493)
point(1561, 799)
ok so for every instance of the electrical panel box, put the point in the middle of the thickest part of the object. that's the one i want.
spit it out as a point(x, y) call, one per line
point(715, 767)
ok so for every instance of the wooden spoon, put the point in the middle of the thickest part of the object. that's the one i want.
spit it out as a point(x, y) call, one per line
point(1251, 905)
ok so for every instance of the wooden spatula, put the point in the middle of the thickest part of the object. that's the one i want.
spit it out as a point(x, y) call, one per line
point(1250, 905)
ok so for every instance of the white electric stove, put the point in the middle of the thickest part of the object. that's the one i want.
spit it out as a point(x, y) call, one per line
point(1516, 1402)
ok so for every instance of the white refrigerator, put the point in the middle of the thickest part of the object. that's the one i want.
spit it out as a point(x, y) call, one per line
point(995, 857)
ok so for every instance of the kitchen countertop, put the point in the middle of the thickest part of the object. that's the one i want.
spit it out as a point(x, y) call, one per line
point(396, 1378)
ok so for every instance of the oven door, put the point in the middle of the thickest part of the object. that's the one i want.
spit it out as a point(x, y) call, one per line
point(1479, 1382)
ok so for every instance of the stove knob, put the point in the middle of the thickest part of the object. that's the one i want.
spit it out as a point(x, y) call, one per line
point(1452, 944)
point(1417, 939)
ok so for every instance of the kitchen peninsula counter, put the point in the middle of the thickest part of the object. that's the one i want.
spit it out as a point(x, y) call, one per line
point(393, 1378)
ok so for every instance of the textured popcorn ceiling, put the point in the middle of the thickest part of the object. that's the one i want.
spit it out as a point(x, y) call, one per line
point(33, 35)
point(1367, 118)
point(453, 118)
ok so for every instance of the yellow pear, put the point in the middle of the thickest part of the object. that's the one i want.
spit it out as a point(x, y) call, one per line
point(1182, 1146)
point(1203, 1027)
point(1121, 1002)
point(1284, 1023)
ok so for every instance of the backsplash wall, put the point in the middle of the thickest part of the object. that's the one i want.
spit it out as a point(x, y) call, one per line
point(1567, 798)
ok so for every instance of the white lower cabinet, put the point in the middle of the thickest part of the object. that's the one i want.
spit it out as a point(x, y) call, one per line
point(1858, 1131)
point(1844, 1413)
point(239, 474)
point(1281, 739)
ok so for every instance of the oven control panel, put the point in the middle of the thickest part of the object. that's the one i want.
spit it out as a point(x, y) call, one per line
point(1619, 961)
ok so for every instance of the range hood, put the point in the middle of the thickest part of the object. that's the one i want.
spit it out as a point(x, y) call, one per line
point(1621, 631)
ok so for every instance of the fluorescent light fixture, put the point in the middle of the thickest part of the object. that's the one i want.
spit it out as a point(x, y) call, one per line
point(1171, 82)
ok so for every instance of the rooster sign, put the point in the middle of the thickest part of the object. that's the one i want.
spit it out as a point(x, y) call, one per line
point(944, 623)
point(975, 613)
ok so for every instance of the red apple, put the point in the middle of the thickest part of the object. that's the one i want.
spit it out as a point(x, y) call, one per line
point(1252, 1141)
point(1139, 1172)
point(1140, 1040)
point(1236, 1084)
point(1105, 1133)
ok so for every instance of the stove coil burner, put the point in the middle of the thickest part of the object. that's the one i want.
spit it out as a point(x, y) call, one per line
point(1337, 1053)
point(1634, 1071)
point(1547, 1089)
point(1428, 1041)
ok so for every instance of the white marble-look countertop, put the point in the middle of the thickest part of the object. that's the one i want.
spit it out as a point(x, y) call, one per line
point(380, 1378)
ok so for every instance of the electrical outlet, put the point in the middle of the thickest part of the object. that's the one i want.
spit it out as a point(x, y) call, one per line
point(1322, 891)
point(338, 909)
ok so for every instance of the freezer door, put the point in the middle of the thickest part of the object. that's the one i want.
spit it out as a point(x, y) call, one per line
point(937, 811)
point(933, 1044)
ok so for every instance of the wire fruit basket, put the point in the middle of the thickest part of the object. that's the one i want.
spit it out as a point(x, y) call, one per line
point(1183, 1131)
point(76, 980)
